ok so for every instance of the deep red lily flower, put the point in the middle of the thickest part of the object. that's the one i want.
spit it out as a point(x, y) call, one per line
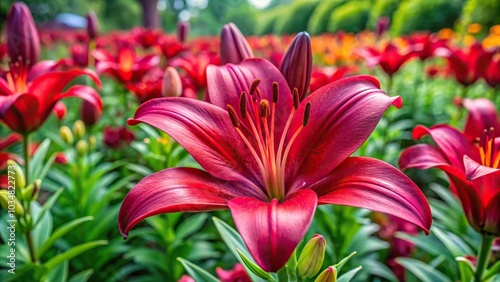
point(492, 75)
point(482, 115)
point(117, 137)
point(28, 97)
point(324, 76)
point(126, 66)
point(237, 274)
point(471, 165)
point(272, 159)
point(467, 66)
point(425, 45)
point(170, 47)
point(6, 142)
point(79, 56)
point(146, 37)
point(196, 67)
point(389, 59)
point(157, 83)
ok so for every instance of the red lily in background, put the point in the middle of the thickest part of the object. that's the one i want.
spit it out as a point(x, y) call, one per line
point(492, 75)
point(126, 66)
point(425, 45)
point(471, 165)
point(157, 83)
point(28, 97)
point(5, 143)
point(389, 59)
point(170, 47)
point(266, 153)
point(196, 66)
point(324, 76)
point(146, 37)
point(467, 66)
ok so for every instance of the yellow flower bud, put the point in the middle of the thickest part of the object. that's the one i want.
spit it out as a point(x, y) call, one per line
point(66, 134)
point(92, 143)
point(79, 129)
point(14, 170)
point(9, 203)
point(82, 148)
point(312, 256)
point(328, 275)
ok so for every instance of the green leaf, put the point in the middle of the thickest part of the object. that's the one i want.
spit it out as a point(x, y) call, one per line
point(59, 273)
point(190, 225)
point(254, 268)
point(73, 252)
point(43, 229)
point(466, 269)
point(234, 241)
point(453, 243)
point(82, 276)
point(423, 271)
point(494, 270)
point(38, 160)
point(61, 231)
point(49, 204)
point(198, 273)
point(339, 265)
point(346, 277)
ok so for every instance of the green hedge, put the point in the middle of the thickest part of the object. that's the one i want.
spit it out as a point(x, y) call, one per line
point(266, 20)
point(321, 15)
point(484, 12)
point(433, 15)
point(350, 17)
point(295, 18)
point(244, 18)
point(381, 8)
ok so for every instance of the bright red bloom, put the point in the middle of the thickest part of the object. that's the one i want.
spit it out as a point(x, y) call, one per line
point(170, 47)
point(196, 67)
point(60, 110)
point(6, 142)
point(237, 274)
point(425, 45)
point(146, 37)
point(126, 66)
point(322, 77)
point(28, 97)
point(471, 164)
point(148, 87)
point(117, 137)
point(492, 75)
point(467, 66)
point(272, 159)
point(389, 59)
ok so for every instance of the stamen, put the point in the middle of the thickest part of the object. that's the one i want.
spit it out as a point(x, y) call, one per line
point(307, 112)
point(275, 92)
point(254, 85)
point(243, 104)
point(232, 114)
point(296, 98)
point(264, 110)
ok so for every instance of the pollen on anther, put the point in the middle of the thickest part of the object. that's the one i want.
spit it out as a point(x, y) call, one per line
point(296, 98)
point(307, 113)
point(232, 115)
point(243, 104)
point(264, 110)
point(254, 85)
point(275, 92)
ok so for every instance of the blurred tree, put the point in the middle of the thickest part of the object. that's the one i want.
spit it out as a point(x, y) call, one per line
point(296, 18)
point(321, 15)
point(381, 8)
point(350, 17)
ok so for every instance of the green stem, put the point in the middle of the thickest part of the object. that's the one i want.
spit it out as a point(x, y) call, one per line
point(483, 257)
point(389, 84)
point(27, 233)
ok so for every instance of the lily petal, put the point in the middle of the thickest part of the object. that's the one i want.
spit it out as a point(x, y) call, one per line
point(453, 143)
point(375, 185)
point(206, 132)
point(175, 190)
point(482, 115)
point(272, 230)
point(87, 93)
point(475, 170)
point(15, 113)
point(492, 216)
point(343, 114)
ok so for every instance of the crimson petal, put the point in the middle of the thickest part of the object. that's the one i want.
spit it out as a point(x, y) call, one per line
point(343, 114)
point(482, 115)
point(475, 170)
point(492, 216)
point(207, 134)
point(375, 185)
point(175, 190)
point(272, 230)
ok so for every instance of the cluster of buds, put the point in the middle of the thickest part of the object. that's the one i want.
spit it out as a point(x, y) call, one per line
point(77, 134)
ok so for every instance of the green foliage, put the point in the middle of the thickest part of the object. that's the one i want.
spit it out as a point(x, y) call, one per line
point(321, 15)
point(295, 18)
point(244, 18)
point(350, 17)
point(266, 21)
point(381, 8)
point(425, 15)
point(484, 12)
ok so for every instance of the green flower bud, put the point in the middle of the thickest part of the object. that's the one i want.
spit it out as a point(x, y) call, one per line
point(31, 191)
point(79, 129)
point(82, 148)
point(312, 256)
point(92, 143)
point(66, 134)
point(328, 275)
point(19, 178)
point(9, 202)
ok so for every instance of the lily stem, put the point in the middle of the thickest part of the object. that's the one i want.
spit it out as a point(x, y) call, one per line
point(27, 232)
point(483, 257)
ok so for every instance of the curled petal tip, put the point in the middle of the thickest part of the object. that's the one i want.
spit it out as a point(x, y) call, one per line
point(133, 122)
point(398, 102)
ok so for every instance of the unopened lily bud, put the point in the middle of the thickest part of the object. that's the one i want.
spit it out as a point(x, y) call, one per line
point(23, 43)
point(66, 134)
point(19, 178)
point(312, 256)
point(328, 275)
point(234, 48)
point(82, 148)
point(79, 129)
point(31, 191)
point(382, 26)
point(92, 143)
point(92, 25)
point(89, 113)
point(296, 66)
point(171, 84)
point(182, 31)
point(60, 110)
point(10, 203)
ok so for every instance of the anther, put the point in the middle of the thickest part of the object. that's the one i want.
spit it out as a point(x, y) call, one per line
point(233, 116)
point(275, 92)
point(307, 112)
point(296, 98)
point(254, 85)
point(243, 104)
point(264, 110)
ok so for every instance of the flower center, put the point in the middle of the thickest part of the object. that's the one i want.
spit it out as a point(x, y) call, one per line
point(488, 152)
point(258, 133)
point(17, 77)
